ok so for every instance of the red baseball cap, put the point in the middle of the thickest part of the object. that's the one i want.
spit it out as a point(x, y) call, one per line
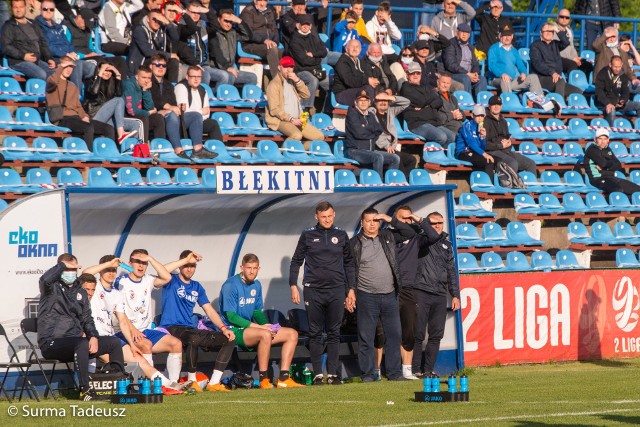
point(287, 61)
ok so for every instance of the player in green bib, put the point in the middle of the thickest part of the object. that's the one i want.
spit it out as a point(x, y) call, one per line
point(241, 310)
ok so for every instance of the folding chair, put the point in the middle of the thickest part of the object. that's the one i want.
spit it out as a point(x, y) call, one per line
point(30, 325)
point(22, 369)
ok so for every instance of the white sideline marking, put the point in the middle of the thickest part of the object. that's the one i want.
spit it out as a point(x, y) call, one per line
point(514, 417)
point(279, 402)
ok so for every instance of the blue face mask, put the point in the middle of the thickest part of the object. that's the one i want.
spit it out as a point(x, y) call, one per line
point(69, 277)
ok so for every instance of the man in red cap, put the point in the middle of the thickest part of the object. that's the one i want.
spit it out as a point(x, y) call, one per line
point(284, 109)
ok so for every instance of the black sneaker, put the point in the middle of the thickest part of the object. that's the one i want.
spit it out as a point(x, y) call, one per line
point(318, 380)
point(334, 380)
point(87, 395)
point(203, 154)
point(183, 155)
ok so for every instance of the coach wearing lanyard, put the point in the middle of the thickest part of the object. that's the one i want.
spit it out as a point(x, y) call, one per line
point(328, 272)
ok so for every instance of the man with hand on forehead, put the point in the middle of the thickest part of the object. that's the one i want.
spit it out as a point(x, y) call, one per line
point(179, 298)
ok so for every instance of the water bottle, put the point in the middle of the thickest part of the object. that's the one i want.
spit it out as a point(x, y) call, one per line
point(121, 387)
point(157, 385)
point(308, 376)
point(452, 383)
point(435, 383)
point(426, 383)
point(145, 386)
point(464, 384)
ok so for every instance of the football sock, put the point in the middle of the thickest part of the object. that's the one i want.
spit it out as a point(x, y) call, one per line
point(174, 364)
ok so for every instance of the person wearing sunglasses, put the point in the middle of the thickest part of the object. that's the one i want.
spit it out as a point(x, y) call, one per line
point(571, 60)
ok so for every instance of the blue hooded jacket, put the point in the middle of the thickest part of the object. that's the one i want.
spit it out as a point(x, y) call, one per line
point(56, 38)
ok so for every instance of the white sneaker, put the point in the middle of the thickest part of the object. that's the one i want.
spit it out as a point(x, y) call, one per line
point(180, 386)
point(410, 377)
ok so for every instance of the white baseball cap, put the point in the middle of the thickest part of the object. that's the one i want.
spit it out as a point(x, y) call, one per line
point(602, 132)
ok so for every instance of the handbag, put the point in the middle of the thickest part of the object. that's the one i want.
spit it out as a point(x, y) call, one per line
point(319, 73)
point(56, 111)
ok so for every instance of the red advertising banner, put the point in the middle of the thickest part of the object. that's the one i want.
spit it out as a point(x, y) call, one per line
point(541, 317)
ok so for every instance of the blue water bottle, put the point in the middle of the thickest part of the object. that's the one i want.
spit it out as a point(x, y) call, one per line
point(435, 383)
point(157, 385)
point(464, 384)
point(426, 383)
point(121, 386)
point(145, 386)
point(452, 383)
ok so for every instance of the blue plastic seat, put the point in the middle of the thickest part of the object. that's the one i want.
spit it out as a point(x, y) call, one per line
point(10, 182)
point(209, 178)
point(597, 203)
point(553, 183)
point(577, 233)
point(253, 93)
point(224, 156)
point(325, 125)
point(524, 54)
point(467, 236)
point(517, 234)
point(579, 79)
point(335, 104)
point(420, 177)
point(553, 152)
point(35, 89)
point(186, 177)
point(39, 177)
point(395, 176)
point(574, 180)
point(434, 153)
point(321, 153)
point(469, 205)
point(580, 129)
point(620, 150)
point(558, 124)
point(127, 147)
point(482, 98)
point(511, 104)
point(270, 152)
point(492, 232)
point(70, 177)
point(229, 96)
point(163, 148)
point(527, 132)
point(187, 146)
point(249, 124)
point(525, 204)
point(531, 151)
point(467, 263)
point(622, 203)
point(3, 204)
point(624, 234)
point(481, 182)
point(588, 54)
point(577, 103)
point(625, 258)
point(243, 54)
point(16, 148)
point(531, 182)
point(370, 177)
point(465, 100)
point(226, 123)
point(634, 176)
point(491, 261)
point(601, 233)
point(573, 203)
point(28, 118)
point(549, 203)
point(517, 261)
point(634, 152)
point(567, 260)
point(158, 177)
point(107, 149)
point(129, 176)
point(623, 123)
point(294, 151)
point(345, 177)
point(76, 149)
point(100, 178)
point(10, 90)
point(573, 151)
point(339, 152)
point(541, 260)
point(451, 155)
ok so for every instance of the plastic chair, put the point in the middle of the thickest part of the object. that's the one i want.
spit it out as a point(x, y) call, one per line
point(394, 176)
point(469, 205)
point(525, 204)
point(493, 232)
point(270, 152)
point(186, 177)
point(511, 104)
point(482, 98)
point(10, 182)
point(553, 152)
point(339, 152)
point(70, 177)
point(294, 151)
point(324, 123)
point(467, 263)
point(517, 234)
point(253, 92)
point(39, 176)
point(128, 176)
point(100, 178)
point(549, 203)
point(588, 54)
point(517, 261)
point(579, 79)
point(370, 177)
point(601, 233)
point(345, 177)
point(465, 100)
point(541, 260)
point(573, 203)
point(567, 260)
point(226, 123)
point(158, 177)
point(76, 149)
point(249, 123)
point(36, 86)
point(491, 261)
point(420, 177)
point(8, 85)
point(573, 151)
point(127, 147)
point(321, 153)
point(531, 151)
point(164, 150)
point(597, 203)
point(531, 182)
point(623, 123)
point(553, 183)
point(577, 101)
point(16, 148)
point(621, 202)
point(209, 178)
point(480, 181)
point(625, 258)
point(467, 236)
point(3, 204)
point(107, 149)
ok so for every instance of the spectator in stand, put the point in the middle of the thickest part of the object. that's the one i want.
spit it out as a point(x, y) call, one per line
point(149, 5)
point(350, 79)
point(387, 109)
point(24, 45)
point(375, 65)
point(193, 32)
point(423, 117)
point(363, 130)
point(594, 8)
point(345, 31)
point(261, 20)
point(471, 143)
point(460, 60)
point(152, 37)
point(60, 46)
point(115, 26)
point(612, 91)
point(546, 61)
point(499, 141)
point(104, 102)
point(399, 68)
point(224, 34)
point(382, 29)
point(448, 21)
point(307, 50)
point(289, 21)
point(429, 76)
point(194, 104)
point(606, 47)
point(450, 111)
point(284, 106)
point(570, 58)
point(601, 164)
point(138, 104)
point(491, 25)
point(626, 45)
point(357, 6)
point(507, 70)
point(61, 91)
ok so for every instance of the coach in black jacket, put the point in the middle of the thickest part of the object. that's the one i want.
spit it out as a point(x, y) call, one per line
point(64, 314)
point(377, 283)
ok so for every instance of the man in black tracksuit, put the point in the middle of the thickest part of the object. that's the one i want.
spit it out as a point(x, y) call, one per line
point(64, 314)
point(408, 247)
point(435, 279)
point(328, 273)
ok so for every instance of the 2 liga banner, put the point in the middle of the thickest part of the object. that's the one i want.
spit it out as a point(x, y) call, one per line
point(541, 317)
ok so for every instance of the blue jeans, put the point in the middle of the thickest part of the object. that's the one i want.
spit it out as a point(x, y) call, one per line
point(193, 124)
point(592, 32)
point(375, 158)
point(439, 134)
point(371, 308)
point(223, 77)
point(312, 84)
point(34, 70)
point(112, 113)
point(477, 87)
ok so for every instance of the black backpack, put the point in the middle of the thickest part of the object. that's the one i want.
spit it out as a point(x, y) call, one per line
point(507, 177)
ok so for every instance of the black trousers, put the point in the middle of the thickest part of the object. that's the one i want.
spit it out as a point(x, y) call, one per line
point(569, 65)
point(408, 307)
point(211, 130)
point(478, 162)
point(325, 308)
point(87, 131)
point(118, 49)
point(611, 184)
point(431, 311)
point(76, 350)
point(272, 55)
point(152, 124)
point(193, 339)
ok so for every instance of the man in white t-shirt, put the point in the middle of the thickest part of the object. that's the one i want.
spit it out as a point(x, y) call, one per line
point(135, 289)
point(107, 310)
